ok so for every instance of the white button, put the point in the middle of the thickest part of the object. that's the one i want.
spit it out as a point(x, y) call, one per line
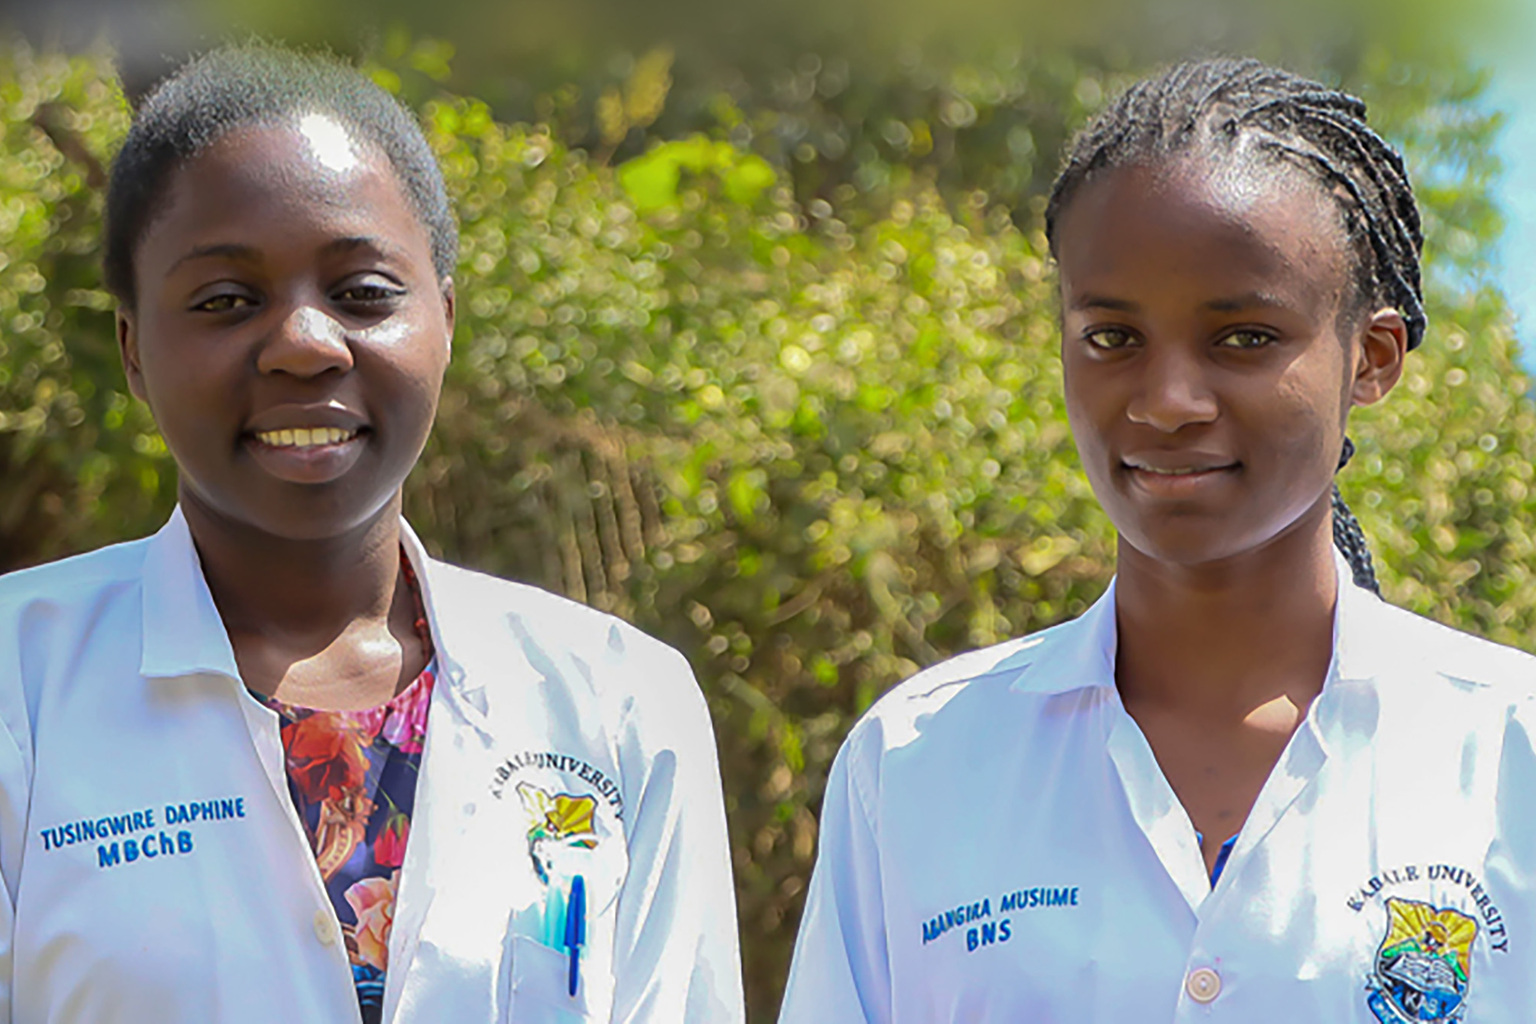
point(1203, 984)
point(325, 927)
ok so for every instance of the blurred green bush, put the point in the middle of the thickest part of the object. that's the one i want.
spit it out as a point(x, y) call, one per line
point(807, 428)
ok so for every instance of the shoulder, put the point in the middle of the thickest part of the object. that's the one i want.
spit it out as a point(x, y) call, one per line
point(556, 622)
point(976, 682)
point(482, 615)
point(54, 615)
point(80, 580)
point(1414, 642)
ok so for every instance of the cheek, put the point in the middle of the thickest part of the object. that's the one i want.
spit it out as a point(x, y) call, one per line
point(1086, 436)
point(1304, 416)
point(428, 365)
point(426, 389)
point(410, 360)
point(180, 382)
point(1083, 413)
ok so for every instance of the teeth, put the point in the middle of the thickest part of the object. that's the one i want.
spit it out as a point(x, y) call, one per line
point(1182, 471)
point(302, 437)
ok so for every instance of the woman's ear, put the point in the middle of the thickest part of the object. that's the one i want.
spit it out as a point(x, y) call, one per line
point(450, 307)
point(1383, 346)
point(128, 348)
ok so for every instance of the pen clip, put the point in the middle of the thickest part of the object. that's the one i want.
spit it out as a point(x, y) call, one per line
point(575, 930)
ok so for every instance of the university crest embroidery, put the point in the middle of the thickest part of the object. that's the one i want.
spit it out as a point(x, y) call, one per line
point(1423, 966)
point(556, 822)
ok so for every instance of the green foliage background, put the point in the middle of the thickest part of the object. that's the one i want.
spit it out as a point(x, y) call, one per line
point(775, 377)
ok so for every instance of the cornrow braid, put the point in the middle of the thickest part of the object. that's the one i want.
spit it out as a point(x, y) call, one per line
point(1348, 537)
point(1220, 106)
point(1350, 540)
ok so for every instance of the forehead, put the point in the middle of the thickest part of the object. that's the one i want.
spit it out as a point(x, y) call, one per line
point(1205, 225)
point(275, 186)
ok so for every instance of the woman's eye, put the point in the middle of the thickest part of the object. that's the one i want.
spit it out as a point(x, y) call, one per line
point(369, 292)
point(227, 302)
point(1109, 338)
point(1247, 339)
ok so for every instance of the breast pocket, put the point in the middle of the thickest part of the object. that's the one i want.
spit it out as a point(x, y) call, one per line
point(540, 989)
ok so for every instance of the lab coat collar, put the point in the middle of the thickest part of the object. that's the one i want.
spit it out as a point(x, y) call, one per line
point(1076, 655)
point(1363, 638)
point(431, 575)
point(1080, 654)
point(183, 634)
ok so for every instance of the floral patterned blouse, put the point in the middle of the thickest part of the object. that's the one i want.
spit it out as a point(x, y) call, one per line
point(352, 776)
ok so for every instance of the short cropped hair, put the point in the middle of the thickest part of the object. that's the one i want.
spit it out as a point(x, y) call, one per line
point(261, 85)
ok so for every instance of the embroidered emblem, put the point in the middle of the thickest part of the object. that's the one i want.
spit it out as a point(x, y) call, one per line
point(1423, 965)
point(556, 822)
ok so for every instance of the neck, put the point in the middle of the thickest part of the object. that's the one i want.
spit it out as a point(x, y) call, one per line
point(1223, 638)
point(274, 586)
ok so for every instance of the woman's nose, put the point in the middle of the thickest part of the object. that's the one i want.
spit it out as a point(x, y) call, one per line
point(307, 343)
point(1172, 393)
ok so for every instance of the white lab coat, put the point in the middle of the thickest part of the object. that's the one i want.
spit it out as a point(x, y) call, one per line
point(998, 844)
point(154, 868)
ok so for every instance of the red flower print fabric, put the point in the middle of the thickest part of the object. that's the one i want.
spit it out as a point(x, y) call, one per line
point(325, 757)
point(352, 776)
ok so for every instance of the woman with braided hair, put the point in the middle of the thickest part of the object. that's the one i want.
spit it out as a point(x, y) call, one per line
point(1240, 787)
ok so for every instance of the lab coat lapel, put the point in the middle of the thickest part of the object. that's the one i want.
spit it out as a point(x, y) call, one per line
point(1296, 770)
point(457, 740)
point(184, 635)
point(1355, 657)
point(1155, 807)
point(443, 811)
point(1080, 654)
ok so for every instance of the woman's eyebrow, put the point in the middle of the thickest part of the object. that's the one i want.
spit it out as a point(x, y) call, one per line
point(222, 250)
point(1092, 301)
point(1247, 300)
point(354, 243)
point(250, 254)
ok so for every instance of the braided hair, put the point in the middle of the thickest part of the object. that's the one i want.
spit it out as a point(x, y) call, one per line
point(1220, 106)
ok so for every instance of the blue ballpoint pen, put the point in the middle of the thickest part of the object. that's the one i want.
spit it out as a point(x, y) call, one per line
point(576, 928)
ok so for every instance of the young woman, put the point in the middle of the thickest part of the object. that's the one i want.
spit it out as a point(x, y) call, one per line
point(1240, 787)
point(274, 763)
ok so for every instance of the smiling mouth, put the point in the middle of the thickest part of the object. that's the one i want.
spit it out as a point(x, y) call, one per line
point(1179, 471)
point(1180, 482)
point(305, 437)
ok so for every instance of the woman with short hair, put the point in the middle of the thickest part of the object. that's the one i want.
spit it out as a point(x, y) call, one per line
point(275, 763)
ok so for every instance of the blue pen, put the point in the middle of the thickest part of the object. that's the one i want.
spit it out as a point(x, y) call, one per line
point(576, 928)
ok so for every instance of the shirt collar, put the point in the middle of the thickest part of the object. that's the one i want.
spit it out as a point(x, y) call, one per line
point(1081, 653)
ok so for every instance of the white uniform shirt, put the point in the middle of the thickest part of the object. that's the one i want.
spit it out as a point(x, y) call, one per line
point(999, 844)
point(155, 870)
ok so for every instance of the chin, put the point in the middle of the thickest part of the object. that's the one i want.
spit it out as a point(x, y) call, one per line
point(300, 514)
point(1187, 548)
point(1202, 542)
